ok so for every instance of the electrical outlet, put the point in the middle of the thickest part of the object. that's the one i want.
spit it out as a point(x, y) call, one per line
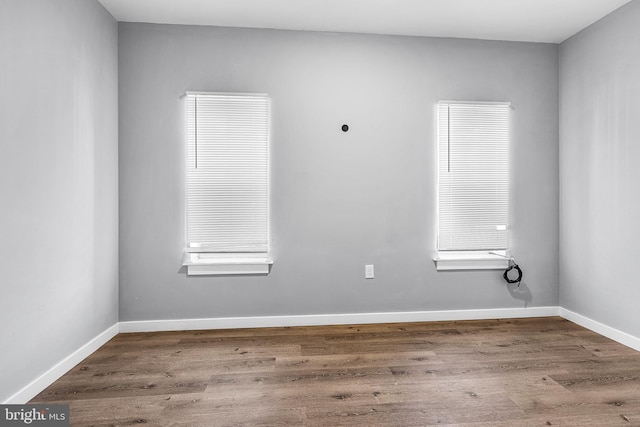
point(368, 271)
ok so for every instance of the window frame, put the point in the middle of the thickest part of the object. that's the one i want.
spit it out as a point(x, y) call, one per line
point(470, 258)
point(200, 259)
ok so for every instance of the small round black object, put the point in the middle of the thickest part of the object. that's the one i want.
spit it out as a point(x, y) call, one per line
point(345, 128)
point(517, 279)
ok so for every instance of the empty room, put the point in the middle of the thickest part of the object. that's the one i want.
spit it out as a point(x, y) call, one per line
point(319, 213)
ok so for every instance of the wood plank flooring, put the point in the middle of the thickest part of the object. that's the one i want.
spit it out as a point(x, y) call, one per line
point(525, 372)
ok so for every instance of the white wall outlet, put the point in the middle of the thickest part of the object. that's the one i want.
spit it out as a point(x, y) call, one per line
point(368, 271)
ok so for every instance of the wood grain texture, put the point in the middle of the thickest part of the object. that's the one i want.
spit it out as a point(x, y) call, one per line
point(525, 372)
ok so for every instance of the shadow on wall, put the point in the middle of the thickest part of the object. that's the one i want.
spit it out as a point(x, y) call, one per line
point(521, 292)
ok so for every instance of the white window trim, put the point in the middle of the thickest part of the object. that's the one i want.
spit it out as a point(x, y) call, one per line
point(200, 261)
point(199, 264)
point(472, 260)
point(476, 259)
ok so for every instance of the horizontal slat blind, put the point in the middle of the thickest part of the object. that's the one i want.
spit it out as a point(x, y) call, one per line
point(473, 176)
point(227, 176)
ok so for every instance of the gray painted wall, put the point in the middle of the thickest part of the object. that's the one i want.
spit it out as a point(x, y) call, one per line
point(339, 201)
point(58, 181)
point(599, 158)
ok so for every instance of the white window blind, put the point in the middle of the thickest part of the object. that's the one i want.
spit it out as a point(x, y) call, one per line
point(473, 176)
point(227, 173)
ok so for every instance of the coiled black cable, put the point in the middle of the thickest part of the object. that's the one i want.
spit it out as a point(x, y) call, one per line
point(513, 267)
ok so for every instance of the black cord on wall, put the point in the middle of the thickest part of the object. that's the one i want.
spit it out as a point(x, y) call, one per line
point(513, 267)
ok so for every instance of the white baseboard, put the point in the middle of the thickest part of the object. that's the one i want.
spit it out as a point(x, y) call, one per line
point(333, 319)
point(607, 331)
point(45, 380)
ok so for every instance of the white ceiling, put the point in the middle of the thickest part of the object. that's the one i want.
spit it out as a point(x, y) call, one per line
point(551, 21)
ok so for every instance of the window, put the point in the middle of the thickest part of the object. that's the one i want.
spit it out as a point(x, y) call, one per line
point(473, 184)
point(227, 183)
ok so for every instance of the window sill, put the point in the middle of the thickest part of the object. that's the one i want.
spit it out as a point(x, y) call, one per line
point(460, 260)
point(201, 264)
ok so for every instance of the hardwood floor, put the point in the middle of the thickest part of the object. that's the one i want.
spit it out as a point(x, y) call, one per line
point(526, 372)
